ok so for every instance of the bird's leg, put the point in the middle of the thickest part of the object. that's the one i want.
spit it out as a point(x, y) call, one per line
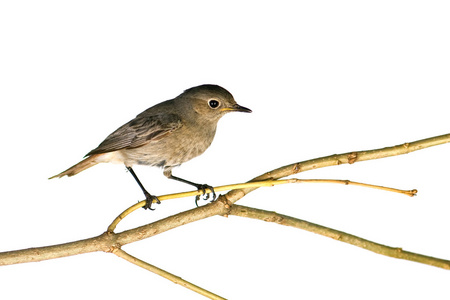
point(200, 187)
point(148, 198)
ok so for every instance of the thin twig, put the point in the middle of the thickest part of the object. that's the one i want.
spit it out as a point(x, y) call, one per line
point(175, 279)
point(348, 182)
point(265, 183)
point(140, 204)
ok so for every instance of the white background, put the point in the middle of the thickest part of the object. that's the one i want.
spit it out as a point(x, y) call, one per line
point(321, 77)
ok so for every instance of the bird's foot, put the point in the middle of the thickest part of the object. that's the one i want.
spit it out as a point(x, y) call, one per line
point(149, 199)
point(205, 195)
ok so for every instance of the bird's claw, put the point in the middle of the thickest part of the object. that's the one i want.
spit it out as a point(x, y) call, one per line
point(149, 200)
point(203, 188)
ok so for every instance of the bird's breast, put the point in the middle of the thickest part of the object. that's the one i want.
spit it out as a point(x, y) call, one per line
point(174, 149)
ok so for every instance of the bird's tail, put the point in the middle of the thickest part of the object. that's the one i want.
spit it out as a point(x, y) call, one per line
point(81, 166)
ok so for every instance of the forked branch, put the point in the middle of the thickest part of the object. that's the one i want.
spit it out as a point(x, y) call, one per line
point(112, 242)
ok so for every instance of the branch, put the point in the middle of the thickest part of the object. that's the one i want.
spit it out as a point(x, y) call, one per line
point(140, 204)
point(268, 216)
point(265, 183)
point(165, 274)
point(338, 159)
point(109, 241)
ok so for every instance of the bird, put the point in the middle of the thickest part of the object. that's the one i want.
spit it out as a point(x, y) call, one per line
point(165, 135)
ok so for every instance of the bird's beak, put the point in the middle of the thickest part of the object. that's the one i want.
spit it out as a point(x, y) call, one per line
point(237, 107)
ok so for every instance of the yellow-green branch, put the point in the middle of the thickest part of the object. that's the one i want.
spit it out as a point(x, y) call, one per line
point(252, 184)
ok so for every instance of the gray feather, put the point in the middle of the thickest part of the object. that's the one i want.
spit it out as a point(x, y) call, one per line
point(139, 132)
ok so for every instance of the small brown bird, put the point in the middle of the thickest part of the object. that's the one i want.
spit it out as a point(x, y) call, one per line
point(165, 135)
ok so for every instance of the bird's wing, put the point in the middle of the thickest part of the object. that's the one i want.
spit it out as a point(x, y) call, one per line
point(139, 132)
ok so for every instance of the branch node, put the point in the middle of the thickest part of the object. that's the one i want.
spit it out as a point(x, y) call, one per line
point(274, 218)
point(297, 168)
point(226, 203)
point(352, 157)
point(113, 248)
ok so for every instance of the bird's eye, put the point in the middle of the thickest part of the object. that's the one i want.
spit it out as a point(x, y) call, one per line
point(213, 103)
